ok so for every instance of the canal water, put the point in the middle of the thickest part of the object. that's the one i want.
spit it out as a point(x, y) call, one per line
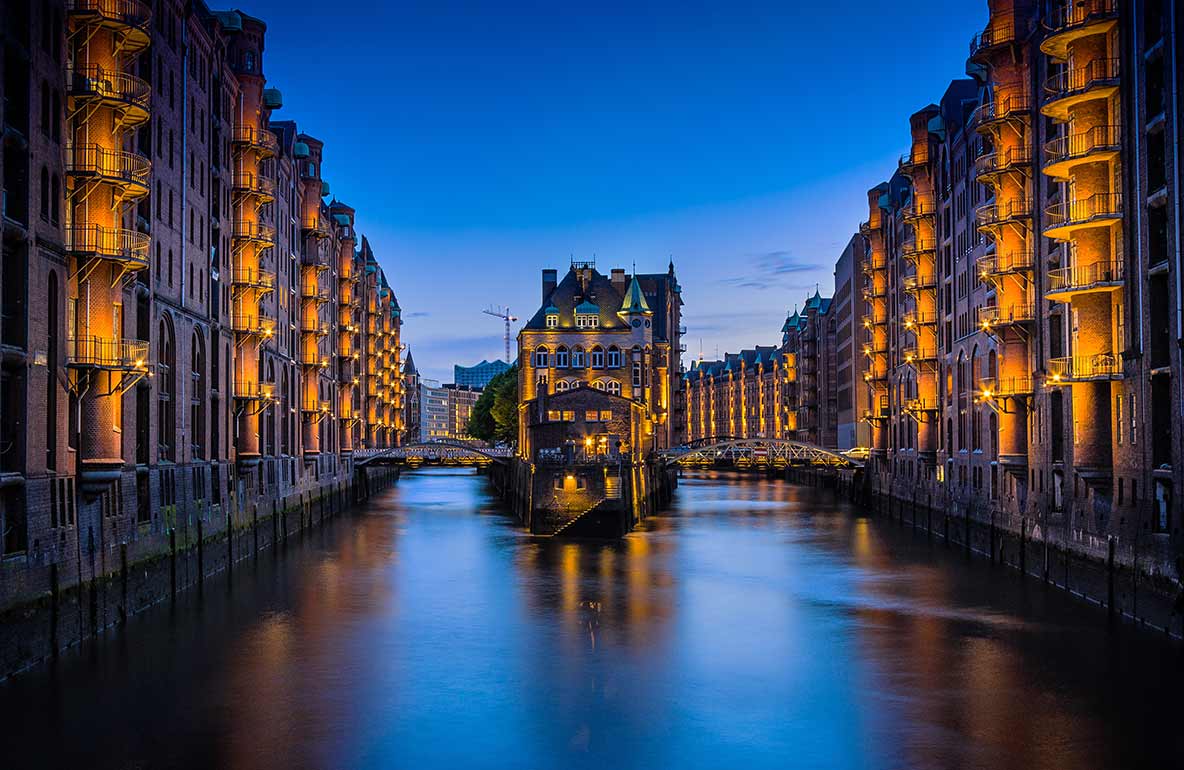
point(755, 624)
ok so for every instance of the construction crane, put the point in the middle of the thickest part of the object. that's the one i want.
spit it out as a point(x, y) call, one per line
point(504, 314)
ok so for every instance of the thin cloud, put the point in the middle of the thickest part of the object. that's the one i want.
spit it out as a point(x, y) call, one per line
point(768, 268)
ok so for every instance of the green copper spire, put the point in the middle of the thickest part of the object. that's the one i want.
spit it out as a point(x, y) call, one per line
point(634, 303)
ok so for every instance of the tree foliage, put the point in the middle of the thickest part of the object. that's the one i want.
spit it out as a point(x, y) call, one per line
point(495, 415)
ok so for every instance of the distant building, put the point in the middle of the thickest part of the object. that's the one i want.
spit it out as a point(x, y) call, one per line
point(851, 339)
point(461, 399)
point(433, 411)
point(411, 405)
point(478, 375)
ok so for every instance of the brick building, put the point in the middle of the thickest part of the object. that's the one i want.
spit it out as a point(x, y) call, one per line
point(1023, 273)
point(190, 332)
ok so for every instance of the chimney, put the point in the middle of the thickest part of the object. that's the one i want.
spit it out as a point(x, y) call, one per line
point(550, 278)
point(618, 279)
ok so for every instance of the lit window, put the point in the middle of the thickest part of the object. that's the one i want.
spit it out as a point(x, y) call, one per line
point(552, 321)
point(569, 415)
point(591, 415)
point(599, 385)
point(587, 321)
point(606, 415)
point(554, 415)
point(562, 385)
point(614, 387)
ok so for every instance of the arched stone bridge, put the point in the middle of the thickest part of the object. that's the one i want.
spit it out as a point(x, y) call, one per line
point(438, 452)
point(758, 452)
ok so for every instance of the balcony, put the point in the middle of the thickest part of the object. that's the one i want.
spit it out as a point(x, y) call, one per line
point(127, 19)
point(993, 164)
point(995, 266)
point(915, 319)
point(246, 231)
point(1016, 212)
point(128, 248)
point(1100, 366)
point(1000, 31)
point(252, 324)
point(1001, 109)
point(312, 291)
point(1074, 19)
point(127, 172)
point(252, 279)
point(314, 225)
point(1098, 210)
point(921, 406)
point(1099, 277)
point(876, 373)
point(257, 140)
point(315, 406)
point(993, 317)
point(914, 248)
point(916, 210)
point(876, 347)
point(874, 261)
point(129, 96)
point(917, 354)
point(108, 354)
point(875, 318)
point(926, 281)
point(912, 162)
point(1004, 387)
point(1063, 154)
point(1096, 80)
point(312, 358)
point(314, 326)
point(255, 186)
point(255, 391)
point(865, 229)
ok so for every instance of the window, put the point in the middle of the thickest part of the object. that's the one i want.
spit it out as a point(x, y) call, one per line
point(562, 385)
point(577, 358)
point(614, 358)
point(1131, 412)
point(599, 385)
point(606, 415)
point(540, 357)
point(637, 374)
point(1118, 419)
point(569, 415)
point(614, 387)
point(554, 415)
point(587, 321)
point(591, 415)
point(561, 358)
point(552, 321)
point(597, 358)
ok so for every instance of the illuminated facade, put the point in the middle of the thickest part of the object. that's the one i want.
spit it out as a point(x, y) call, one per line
point(191, 333)
point(742, 396)
point(1022, 283)
point(613, 333)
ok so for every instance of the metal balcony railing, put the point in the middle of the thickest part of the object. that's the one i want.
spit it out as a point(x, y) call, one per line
point(994, 265)
point(317, 327)
point(918, 210)
point(113, 87)
point(315, 406)
point(917, 405)
point(1000, 31)
point(920, 282)
point(100, 353)
point(1099, 206)
point(255, 391)
point(1006, 107)
point(261, 187)
point(252, 323)
point(914, 247)
point(911, 161)
point(991, 315)
point(129, 14)
point(1083, 144)
point(1104, 274)
point(252, 278)
point(314, 225)
point(312, 290)
point(1003, 387)
point(255, 232)
point(916, 354)
point(1013, 210)
point(127, 247)
point(1068, 14)
point(916, 318)
point(1070, 82)
point(260, 140)
point(1100, 366)
point(128, 170)
point(999, 161)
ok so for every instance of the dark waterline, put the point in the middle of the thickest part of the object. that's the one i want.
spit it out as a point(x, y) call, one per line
point(756, 624)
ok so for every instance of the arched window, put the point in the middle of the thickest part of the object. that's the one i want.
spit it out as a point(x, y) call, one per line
point(197, 401)
point(577, 357)
point(562, 385)
point(614, 357)
point(561, 357)
point(596, 357)
point(167, 393)
point(599, 384)
point(614, 387)
point(55, 204)
point(44, 192)
point(540, 357)
point(51, 381)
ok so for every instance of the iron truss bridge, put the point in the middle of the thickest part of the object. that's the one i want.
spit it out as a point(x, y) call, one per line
point(439, 452)
point(756, 452)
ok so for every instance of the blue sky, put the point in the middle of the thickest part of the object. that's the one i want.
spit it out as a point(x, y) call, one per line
point(483, 141)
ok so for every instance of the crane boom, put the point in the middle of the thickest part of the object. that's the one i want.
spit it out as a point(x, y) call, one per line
point(504, 314)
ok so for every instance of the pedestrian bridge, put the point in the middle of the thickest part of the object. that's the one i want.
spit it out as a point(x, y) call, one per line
point(438, 452)
point(756, 453)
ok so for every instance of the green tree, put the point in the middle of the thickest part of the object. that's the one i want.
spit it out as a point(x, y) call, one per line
point(495, 415)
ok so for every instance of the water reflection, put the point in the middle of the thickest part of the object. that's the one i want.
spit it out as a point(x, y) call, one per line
point(756, 624)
